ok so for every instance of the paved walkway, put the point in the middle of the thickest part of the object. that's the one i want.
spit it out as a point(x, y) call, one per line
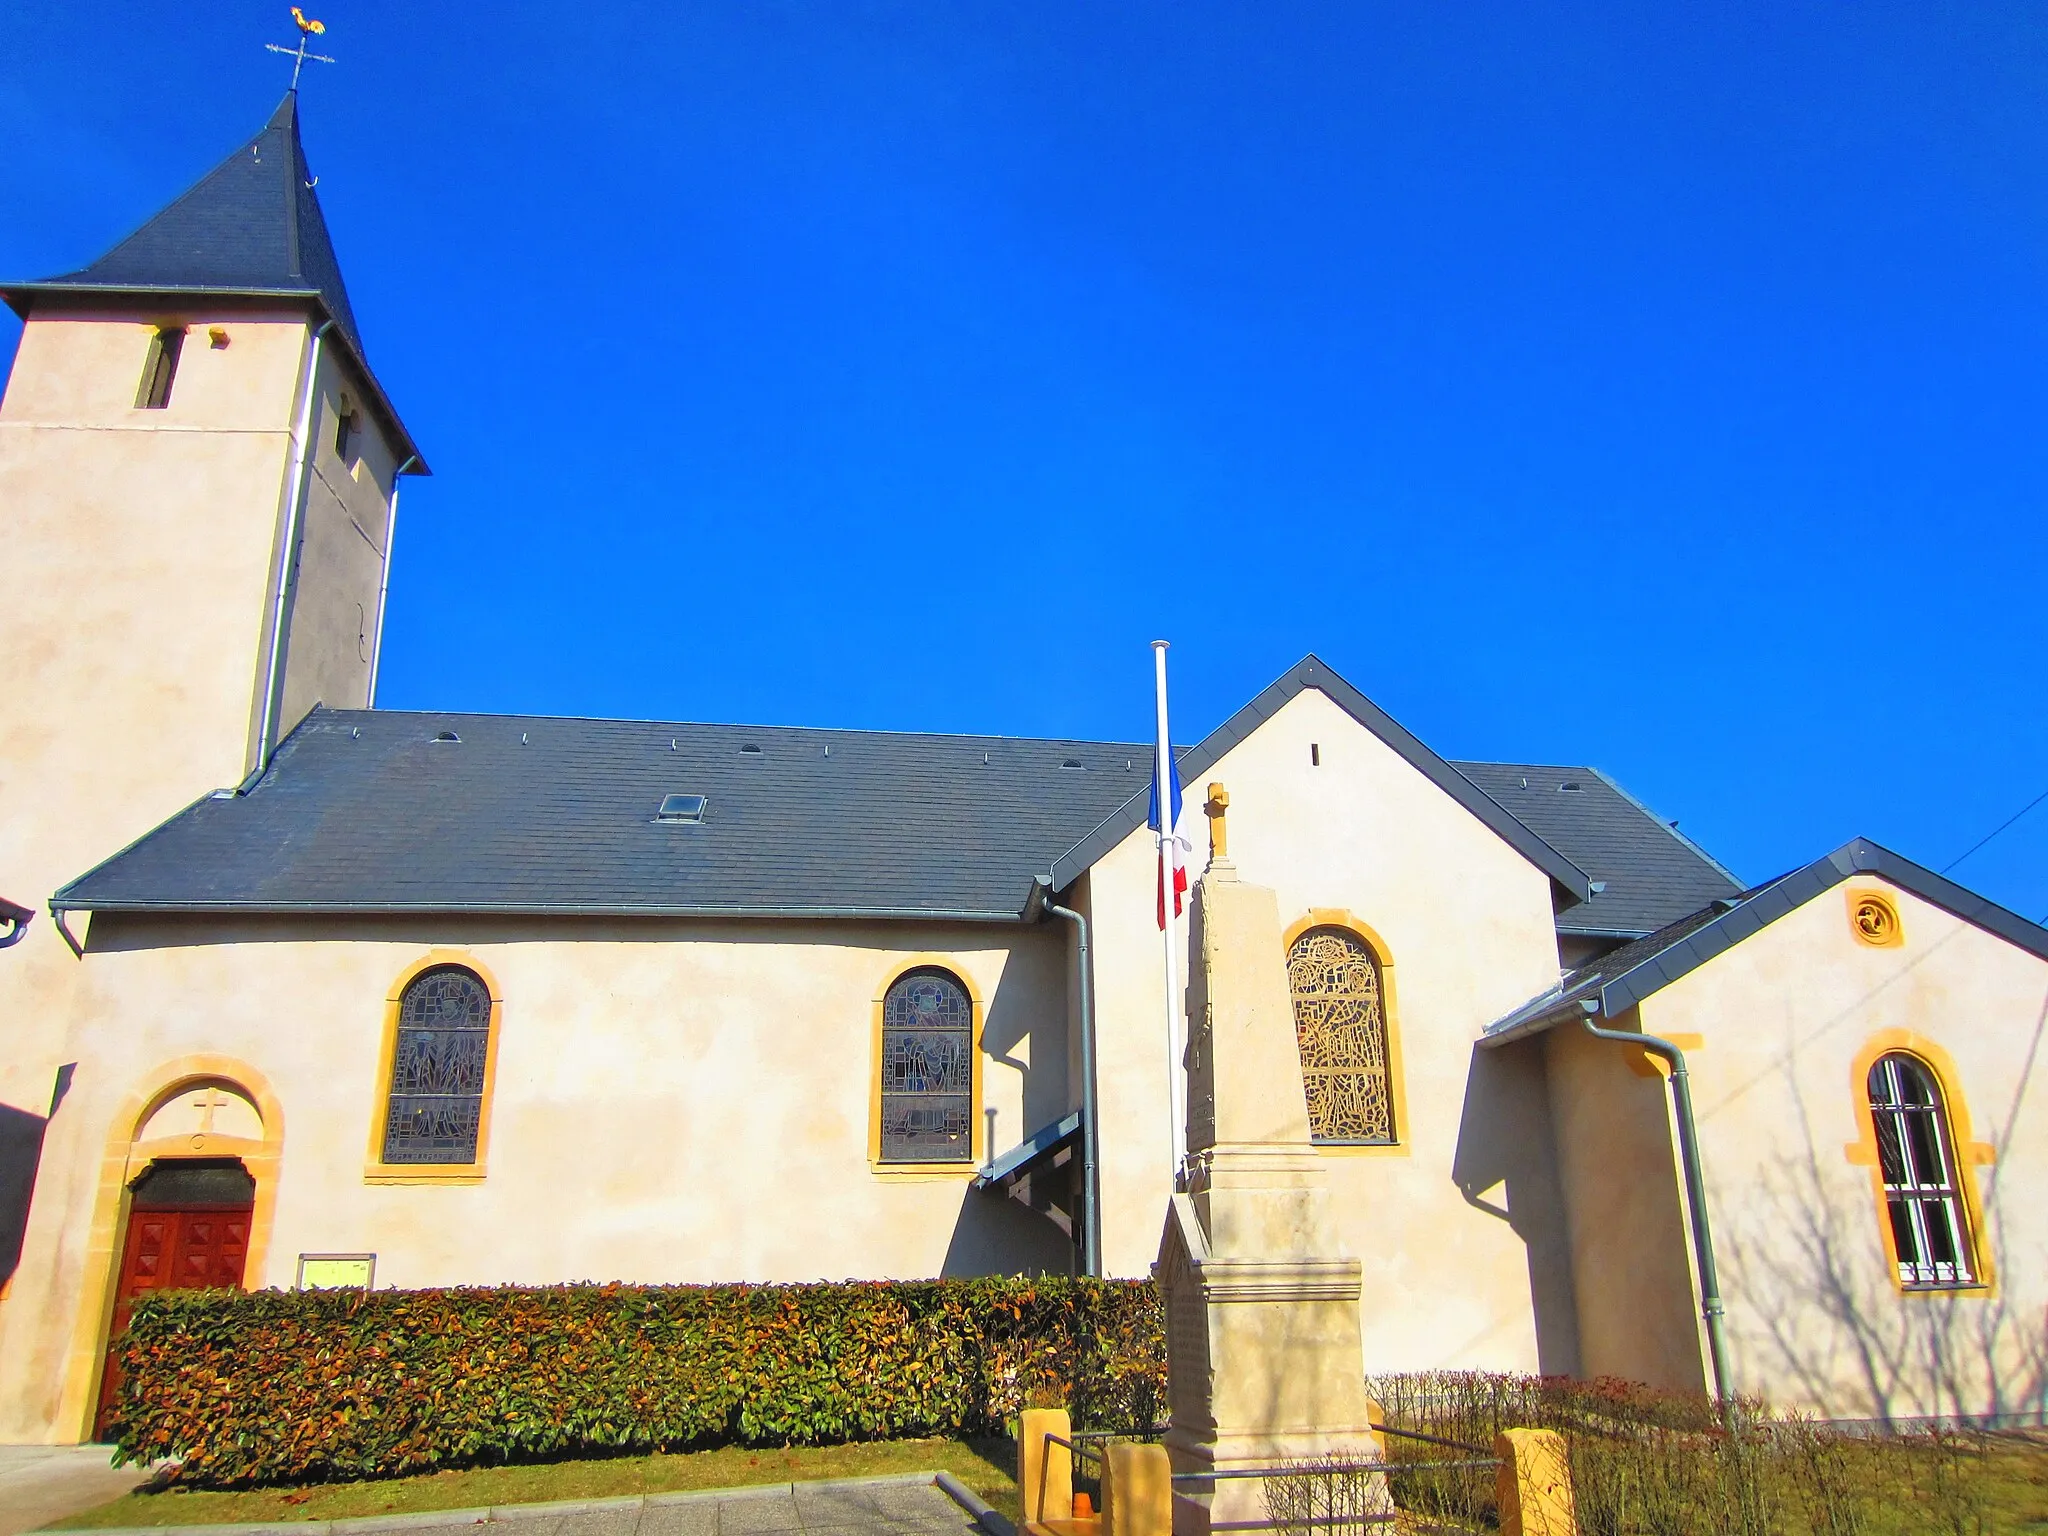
point(885, 1506)
point(41, 1483)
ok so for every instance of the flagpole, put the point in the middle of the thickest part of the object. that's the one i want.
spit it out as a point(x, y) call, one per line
point(1162, 775)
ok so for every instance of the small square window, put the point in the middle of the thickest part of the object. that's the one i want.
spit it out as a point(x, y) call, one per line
point(682, 808)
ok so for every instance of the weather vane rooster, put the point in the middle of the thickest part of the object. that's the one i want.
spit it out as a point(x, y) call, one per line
point(308, 28)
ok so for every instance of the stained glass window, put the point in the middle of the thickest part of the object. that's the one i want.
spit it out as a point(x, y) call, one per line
point(1340, 1025)
point(1929, 1226)
point(437, 1068)
point(927, 1071)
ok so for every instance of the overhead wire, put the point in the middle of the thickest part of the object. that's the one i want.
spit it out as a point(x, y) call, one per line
point(2015, 816)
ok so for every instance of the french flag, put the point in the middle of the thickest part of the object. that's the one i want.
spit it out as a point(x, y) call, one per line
point(1173, 848)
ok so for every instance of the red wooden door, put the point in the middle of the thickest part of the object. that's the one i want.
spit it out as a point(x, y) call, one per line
point(174, 1247)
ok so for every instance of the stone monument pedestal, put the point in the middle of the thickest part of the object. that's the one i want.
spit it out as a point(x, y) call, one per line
point(1264, 1357)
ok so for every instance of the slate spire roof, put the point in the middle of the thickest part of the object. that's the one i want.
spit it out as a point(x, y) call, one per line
point(249, 228)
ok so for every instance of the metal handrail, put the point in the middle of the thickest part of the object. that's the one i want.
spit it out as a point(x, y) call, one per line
point(1077, 1450)
point(1325, 1469)
point(1416, 1434)
point(1276, 1525)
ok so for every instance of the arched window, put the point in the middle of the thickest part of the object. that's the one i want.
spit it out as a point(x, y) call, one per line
point(927, 1070)
point(437, 1068)
point(1340, 1025)
point(1916, 1157)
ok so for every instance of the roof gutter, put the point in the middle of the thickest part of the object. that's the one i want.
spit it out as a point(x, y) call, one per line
point(1711, 1309)
point(288, 550)
point(1535, 1024)
point(16, 920)
point(60, 903)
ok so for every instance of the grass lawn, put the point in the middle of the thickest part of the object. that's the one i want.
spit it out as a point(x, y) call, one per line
point(986, 1466)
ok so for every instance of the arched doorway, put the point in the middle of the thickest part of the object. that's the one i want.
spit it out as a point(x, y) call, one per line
point(201, 1135)
point(189, 1220)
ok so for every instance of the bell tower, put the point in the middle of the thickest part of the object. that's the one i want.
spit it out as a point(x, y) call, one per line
point(198, 472)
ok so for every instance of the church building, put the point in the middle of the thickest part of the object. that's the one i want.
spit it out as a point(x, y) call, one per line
point(299, 991)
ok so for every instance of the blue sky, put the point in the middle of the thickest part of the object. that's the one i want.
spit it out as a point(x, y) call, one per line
point(1656, 387)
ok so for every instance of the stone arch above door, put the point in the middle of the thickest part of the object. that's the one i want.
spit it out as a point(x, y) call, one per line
point(201, 1105)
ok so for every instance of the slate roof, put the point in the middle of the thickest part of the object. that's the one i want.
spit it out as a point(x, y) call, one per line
point(365, 810)
point(250, 228)
point(1651, 873)
point(1624, 976)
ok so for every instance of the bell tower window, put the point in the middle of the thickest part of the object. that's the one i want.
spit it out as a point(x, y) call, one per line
point(347, 427)
point(160, 369)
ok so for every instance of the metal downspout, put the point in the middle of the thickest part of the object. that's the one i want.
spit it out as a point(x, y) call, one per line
point(288, 550)
point(384, 582)
point(1711, 1309)
point(57, 917)
point(1091, 1206)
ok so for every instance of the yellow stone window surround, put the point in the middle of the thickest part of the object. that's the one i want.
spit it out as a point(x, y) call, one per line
point(376, 1170)
point(977, 1015)
point(1969, 1154)
point(1390, 1012)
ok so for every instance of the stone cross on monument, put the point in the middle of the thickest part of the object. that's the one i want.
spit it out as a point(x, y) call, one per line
point(1264, 1358)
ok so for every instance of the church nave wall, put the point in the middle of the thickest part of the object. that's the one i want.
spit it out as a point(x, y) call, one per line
point(670, 1102)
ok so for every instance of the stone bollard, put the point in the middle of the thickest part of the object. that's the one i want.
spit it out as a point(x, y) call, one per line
point(1045, 1473)
point(1137, 1490)
point(1534, 1484)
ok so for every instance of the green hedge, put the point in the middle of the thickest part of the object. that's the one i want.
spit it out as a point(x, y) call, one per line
point(297, 1386)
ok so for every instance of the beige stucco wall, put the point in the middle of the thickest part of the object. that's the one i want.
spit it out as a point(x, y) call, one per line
point(1459, 1226)
point(672, 1102)
point(1815, 1318)
point(332, 629)
point(1631, 1271)
point(138, 589)
point(139, 547)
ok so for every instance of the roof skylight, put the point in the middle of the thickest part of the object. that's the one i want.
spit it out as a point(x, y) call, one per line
point(681, 808)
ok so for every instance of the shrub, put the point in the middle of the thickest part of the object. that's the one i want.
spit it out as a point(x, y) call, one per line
point(1652, 1463)
point(297, 1386)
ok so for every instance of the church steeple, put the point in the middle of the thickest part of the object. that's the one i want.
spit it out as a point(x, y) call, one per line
point(251, 228)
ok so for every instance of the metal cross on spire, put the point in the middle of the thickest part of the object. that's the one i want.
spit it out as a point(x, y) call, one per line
point(308, 28)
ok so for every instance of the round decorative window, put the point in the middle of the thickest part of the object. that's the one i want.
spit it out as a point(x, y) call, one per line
point(1875, 921)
